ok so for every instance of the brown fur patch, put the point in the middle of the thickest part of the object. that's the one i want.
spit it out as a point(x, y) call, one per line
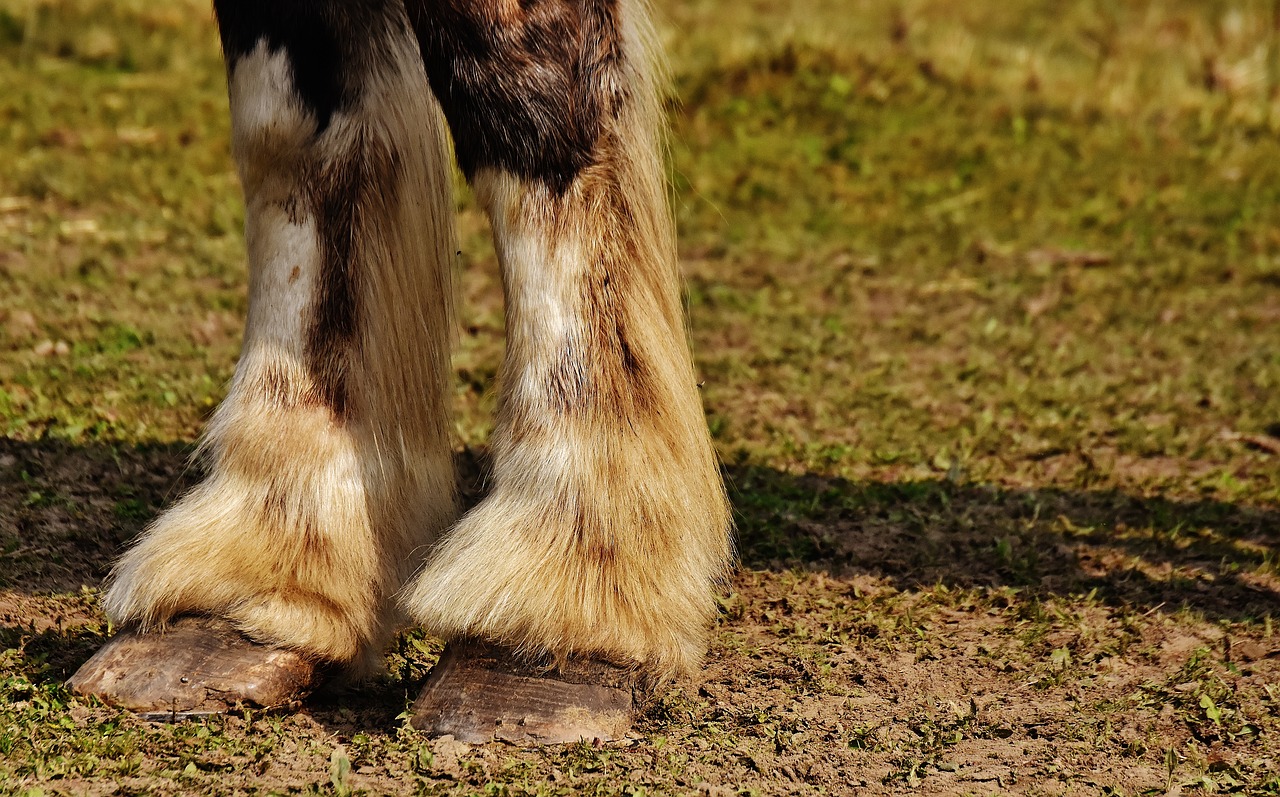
point(608, 527)
point(357, 183)
point(527, 87)
point(305, 529)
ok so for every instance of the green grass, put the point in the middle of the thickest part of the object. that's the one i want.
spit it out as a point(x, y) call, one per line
point(986, 304)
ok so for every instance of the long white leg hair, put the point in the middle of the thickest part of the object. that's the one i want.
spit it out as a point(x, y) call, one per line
point(607, 528)
point(330, 461)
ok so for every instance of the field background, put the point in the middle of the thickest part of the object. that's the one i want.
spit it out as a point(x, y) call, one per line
point(986, 300)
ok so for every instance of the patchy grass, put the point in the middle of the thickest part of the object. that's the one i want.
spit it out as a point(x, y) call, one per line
point(985, 297)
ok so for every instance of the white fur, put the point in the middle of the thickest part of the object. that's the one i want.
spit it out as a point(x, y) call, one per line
point(607, 527)
point(308, 523)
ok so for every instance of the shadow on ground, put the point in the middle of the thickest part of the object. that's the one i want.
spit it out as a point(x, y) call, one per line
point(1147, 553)
point(68, 510)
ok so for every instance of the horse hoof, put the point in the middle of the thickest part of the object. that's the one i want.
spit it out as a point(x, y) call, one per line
point(479, 693)
point(195, 667)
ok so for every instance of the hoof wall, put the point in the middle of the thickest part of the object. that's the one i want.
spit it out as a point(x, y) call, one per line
point(196, 667)
point(478, 694)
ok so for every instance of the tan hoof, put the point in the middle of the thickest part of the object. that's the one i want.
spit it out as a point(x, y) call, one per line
point(477, 693)
point(197, 666)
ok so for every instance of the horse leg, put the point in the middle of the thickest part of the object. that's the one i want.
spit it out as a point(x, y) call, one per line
point(596, 555)
point(330, 465)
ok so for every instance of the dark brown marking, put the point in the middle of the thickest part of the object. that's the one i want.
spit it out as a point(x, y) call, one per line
point(350, 194)
point(592, 540)
point(625, 381)
point(275, 507)
point(334, 48)
point(336, 201)
point(293, 275)
point(316, 546)
point(276, 387)
point(294, 209)
point(568, 384)
point(526, 87)
point(331, 45)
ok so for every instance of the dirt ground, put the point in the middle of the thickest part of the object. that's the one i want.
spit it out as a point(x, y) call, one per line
point(985, 302)
point(905, 661)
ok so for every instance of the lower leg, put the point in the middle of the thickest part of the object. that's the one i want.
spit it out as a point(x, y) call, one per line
point(607, 526)
point(330, 460)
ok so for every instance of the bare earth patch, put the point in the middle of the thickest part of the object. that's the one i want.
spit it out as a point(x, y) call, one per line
point(904, 661)
point(984, 298)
